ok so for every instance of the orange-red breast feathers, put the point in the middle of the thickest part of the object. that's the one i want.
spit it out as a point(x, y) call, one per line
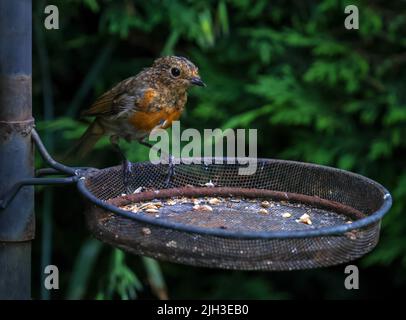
point(147, 121)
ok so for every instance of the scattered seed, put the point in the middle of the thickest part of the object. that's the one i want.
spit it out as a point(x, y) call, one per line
point(150, 205)
point(209, 184)
point(214, 201)
point(305, 218)
point(147, 205)
point(265, 204)
point(138, 190)
point(263, 211)
point(131, 207)
point(158, 204)
point(203, 207)
point(349, 222)
point(286, 215)
point(153, 207)
point(184, 200)
point(170, 202)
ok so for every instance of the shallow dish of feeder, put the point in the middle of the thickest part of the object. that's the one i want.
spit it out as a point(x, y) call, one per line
point(286, 216)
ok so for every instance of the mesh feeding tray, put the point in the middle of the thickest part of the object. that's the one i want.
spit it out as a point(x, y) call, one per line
point(288, 215)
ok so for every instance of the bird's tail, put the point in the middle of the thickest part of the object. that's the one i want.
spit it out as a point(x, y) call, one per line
point(86, 142)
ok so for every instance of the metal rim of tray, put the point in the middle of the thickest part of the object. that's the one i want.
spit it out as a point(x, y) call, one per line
point(234, 234)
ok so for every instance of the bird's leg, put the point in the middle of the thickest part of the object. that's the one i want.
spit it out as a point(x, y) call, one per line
point(125, 163)
point(171, 170)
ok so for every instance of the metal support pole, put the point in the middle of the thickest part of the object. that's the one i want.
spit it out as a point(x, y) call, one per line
point(16, 149)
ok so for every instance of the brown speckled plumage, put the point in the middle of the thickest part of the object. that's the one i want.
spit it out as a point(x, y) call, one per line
point(137, 105)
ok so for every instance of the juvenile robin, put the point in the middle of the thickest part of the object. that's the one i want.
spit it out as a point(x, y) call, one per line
point(134, 107)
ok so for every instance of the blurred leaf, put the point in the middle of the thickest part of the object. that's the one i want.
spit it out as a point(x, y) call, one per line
point(206, 25)
point(92, 4)
point(223, 17)
point(155, 278)
point(121, 279)
point(83, 268)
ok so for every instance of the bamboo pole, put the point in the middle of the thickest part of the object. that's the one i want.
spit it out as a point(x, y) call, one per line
point(16, 149)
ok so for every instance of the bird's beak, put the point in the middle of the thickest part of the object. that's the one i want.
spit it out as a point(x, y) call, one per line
point(197, 82)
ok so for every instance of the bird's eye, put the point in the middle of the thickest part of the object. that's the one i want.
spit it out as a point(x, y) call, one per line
point(175, 72)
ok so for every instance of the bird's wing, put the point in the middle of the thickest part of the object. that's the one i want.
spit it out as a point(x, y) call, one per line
point(126, 96)
point(102, 106)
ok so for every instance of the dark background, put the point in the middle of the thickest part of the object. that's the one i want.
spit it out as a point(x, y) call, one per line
point(315, 91)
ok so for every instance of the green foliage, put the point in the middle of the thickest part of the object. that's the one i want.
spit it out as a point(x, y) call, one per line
point(84, 265)
point(315, 91)
point(155, 278)
point(121, 280)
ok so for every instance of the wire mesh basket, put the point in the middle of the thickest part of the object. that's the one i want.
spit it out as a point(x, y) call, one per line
point(287, 216)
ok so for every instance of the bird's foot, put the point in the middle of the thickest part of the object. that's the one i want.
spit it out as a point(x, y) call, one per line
point(171, 171)
point(127, 170)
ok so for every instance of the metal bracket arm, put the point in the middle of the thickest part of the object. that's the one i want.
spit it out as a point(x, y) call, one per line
point(55, 168)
